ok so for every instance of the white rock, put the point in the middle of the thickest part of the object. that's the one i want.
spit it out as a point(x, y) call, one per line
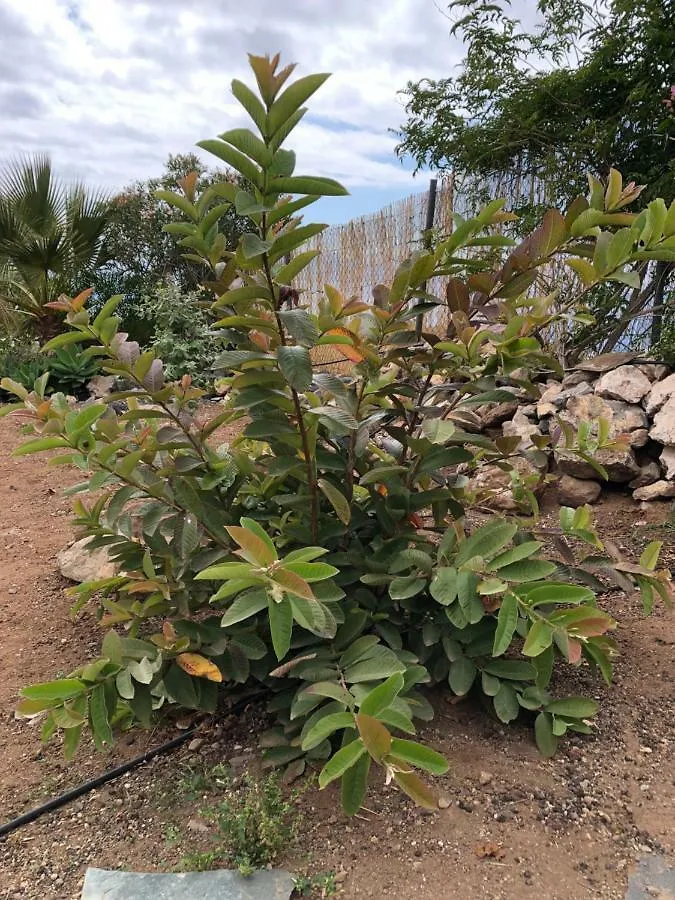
point(520, 426)
point(663, 428)
point(101, 385)
point(660, 490)
point(626, 383)
point(77, 563)
point(622, 418)
point(577, 491)
point(668, 462)
point(653, 371)
point(660, 393)
point(620, 465)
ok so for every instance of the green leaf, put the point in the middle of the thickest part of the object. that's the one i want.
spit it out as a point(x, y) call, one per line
point(554, 592)
point(98, 715)
point(506, 624)
point(406, 586)
point(317, 187)
point(300, 261)
point(650, 556)
point(335, 414)
point(245, 141)
point(538, 639)
point(251, 104)
point(462, 675)
point(506, 703)
point(486, 541)
point(337, 500)
point(252, 245)
point(292, 99)
point(62, 340)
point(543, 732)
point(296, 367)
point(281, 625)
point(527, 570)
point(300, 325)
point(354, 784)
point(382, 696)
point(64, 689)
point(40, 444)
point(325, 727)
point(512, 669)
point(444, 586)
point(381, 664)
point(416, 789)
point(233, 158)
point(344, 759)
point(311, 571)
point(573, 707)
point(246, 605)
point(420, 756)
point(71, 740)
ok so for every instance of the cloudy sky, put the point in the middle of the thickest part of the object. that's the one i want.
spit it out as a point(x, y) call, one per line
point(110, 87)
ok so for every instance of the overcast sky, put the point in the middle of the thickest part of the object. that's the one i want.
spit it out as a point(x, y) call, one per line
point(110, 87)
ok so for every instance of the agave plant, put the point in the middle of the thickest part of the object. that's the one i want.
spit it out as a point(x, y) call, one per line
point(51, 235)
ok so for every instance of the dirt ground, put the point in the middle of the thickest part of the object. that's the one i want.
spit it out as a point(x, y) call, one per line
point(516, 826)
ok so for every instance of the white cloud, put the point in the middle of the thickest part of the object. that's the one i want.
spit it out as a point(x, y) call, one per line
point(110, 87)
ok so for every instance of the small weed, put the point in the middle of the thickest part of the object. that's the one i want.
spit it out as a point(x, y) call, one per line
point(172, 835)
point(201, 861)
point(321, 885)
point(195, 782)
point(255, 823)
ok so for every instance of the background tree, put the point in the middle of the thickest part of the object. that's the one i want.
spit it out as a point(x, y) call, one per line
point(140, 254)
point(588, 88)
point(51, 238)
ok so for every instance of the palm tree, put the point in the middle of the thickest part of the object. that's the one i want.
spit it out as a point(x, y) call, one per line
point(51, 238)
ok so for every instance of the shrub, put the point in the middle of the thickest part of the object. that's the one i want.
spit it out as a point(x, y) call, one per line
point(336, 552)
point(182, 335)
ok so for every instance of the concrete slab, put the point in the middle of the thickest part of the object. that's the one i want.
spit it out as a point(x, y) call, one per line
point(222, 884)
point(654, 879)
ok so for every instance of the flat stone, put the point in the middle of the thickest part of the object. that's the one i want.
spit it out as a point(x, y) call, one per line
point(663, 428)
point(222, 884)
point(577, 491)
point(659, 394)
point(649, 473)
point(626, 383)
point(620, 465)
point(574, 378)
point(667, 459)
point(577, 390)
point(659, 490)
point(77, 563)
point(654, 879)
point(605, 362)
point(495, 415)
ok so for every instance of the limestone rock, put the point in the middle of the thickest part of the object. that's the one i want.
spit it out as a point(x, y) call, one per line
point(79, 564)
point(577, 491)
point(101, 385)
point(520, 426)
point(494, 480)
point(605, 362)
point(577, 390)
point(620, 465)
point(626, 383)
point(649, 473)
point(659, 490)
point(545, 406)
point(660, 393)
point(653, 371)
point(495, 415)
point(220, 884)
point(663, 428)
point(622, 418)
point(574, 378)
point(668, 462)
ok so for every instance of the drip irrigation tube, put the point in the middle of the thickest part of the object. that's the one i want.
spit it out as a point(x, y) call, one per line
point(111, 774)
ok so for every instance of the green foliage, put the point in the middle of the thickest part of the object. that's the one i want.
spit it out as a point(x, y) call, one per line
point(182, 336)
point(319, 885)
point(139, 253)
point(336, 552)
point(51, 237)
point(255, 823)
point(70, 370)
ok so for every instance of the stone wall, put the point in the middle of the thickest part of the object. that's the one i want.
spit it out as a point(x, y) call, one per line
point(635, 397)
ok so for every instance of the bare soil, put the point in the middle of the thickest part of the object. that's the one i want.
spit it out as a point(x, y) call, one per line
point(516, 825)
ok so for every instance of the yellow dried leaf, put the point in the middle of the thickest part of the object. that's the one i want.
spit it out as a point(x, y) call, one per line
point(199, 666)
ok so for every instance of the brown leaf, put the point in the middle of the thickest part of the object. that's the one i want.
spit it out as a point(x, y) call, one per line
point(293, 584)
point(416, 789)
point(374, 735)
point(489, 851)
point(199, 666)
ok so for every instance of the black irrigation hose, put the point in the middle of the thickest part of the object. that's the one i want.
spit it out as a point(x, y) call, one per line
point(110, 775)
